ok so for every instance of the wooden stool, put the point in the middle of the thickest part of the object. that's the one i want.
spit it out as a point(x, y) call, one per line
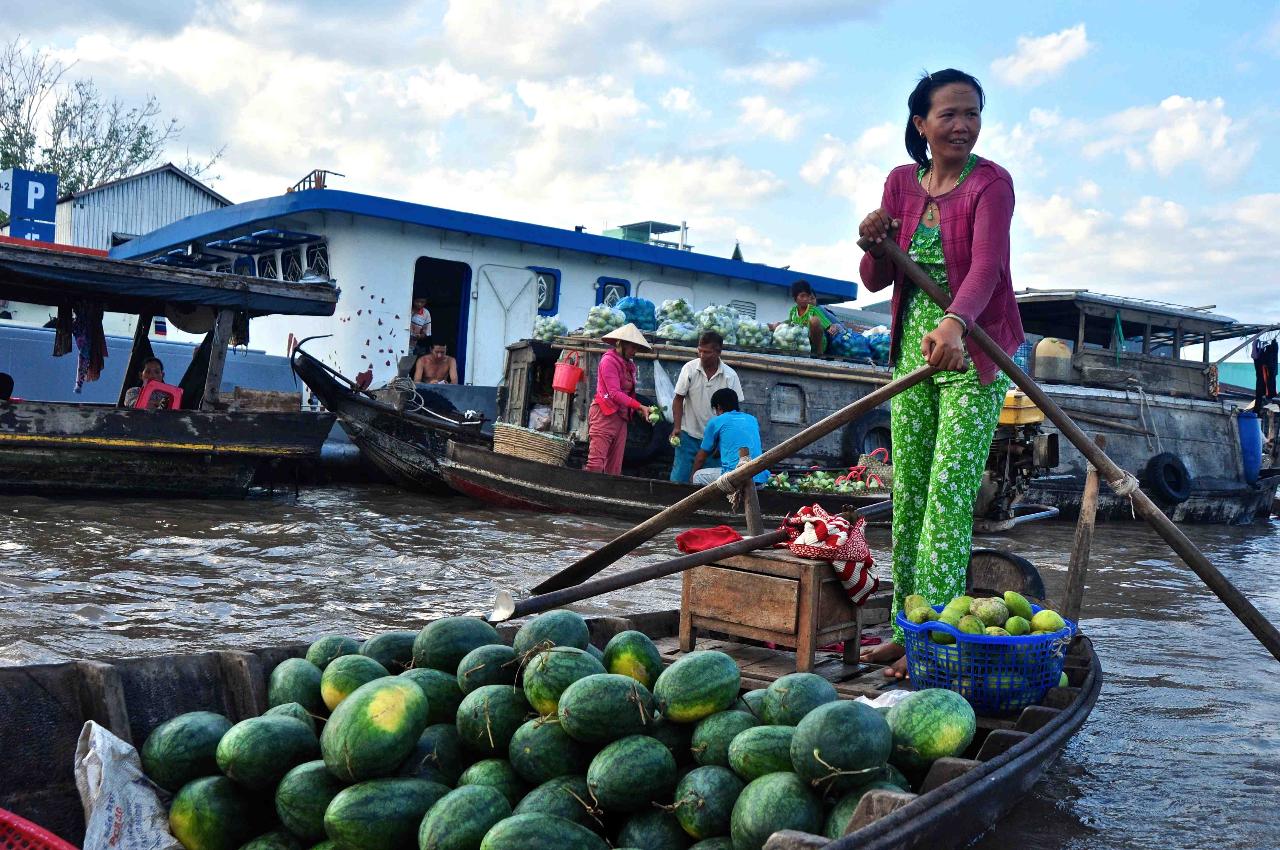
point(774, 597)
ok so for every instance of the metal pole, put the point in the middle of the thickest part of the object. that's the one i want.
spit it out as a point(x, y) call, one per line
point(1120, 481)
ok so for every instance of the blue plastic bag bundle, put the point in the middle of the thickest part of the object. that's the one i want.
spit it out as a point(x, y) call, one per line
point(878, 340)
point(850, 344)
point(639, 311)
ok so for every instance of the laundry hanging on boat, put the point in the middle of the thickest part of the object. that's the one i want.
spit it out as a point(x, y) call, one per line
point(91, 341)
point(63, 335)
point(1264, 369)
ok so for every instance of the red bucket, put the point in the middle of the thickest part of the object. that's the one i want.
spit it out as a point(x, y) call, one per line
point(567, 375)
point(21, 834)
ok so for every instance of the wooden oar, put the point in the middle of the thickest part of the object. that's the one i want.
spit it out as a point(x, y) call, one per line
point(1123, 483)
point(505, 606)
point(589, 565)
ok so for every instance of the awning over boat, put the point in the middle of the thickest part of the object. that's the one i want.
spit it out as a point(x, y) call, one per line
point(39, 276)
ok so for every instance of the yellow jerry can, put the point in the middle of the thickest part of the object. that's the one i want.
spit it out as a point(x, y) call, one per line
point(1019, 410)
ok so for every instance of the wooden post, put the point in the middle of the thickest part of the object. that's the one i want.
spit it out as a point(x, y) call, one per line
point(1079, 567)
point(1244, 610)
point(217, 359)
point(750, 500)
point(139, 351)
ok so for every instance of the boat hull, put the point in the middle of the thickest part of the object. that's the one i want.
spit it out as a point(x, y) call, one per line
point(54, 448)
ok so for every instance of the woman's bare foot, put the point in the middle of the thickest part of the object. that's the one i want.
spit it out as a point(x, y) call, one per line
point(883, 653)
point(898, 669)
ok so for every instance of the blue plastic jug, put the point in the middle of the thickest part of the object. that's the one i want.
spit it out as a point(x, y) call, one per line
point(1250, 444)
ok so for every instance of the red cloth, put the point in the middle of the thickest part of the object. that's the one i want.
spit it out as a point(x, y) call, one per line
point(975, 219)
point(702, 539)
point(606, 441)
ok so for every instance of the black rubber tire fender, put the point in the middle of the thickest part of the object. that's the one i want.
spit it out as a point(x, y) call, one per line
point(854, 436)
point(1166, 478)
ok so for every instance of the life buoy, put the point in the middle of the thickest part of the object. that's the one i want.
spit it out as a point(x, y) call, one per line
point(864, 435)
point(1167, 478)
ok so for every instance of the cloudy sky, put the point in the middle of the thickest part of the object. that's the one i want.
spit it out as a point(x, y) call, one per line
point(1142, 137)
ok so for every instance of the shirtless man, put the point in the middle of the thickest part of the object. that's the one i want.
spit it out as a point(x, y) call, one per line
point(436, 368)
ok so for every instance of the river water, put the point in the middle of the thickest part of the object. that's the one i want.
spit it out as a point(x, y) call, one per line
point(1182, 750)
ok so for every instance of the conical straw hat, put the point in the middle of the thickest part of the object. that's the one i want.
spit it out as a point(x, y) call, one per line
point(628, 333)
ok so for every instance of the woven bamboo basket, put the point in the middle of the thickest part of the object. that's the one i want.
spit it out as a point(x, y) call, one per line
point(876, 463)
point(530, 445)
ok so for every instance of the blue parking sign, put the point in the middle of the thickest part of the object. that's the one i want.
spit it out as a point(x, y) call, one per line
point(36, 231)
point(31, 195)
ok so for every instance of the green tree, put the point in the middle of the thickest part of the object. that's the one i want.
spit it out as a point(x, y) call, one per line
point(51, 122)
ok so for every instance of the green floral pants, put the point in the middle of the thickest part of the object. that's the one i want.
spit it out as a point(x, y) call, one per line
point(942, 430)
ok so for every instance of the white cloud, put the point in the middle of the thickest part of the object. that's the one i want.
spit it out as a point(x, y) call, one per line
point(1152, 212)
point(677, 99)
point(762, 117)
point(1088, 191)
point(1176, 132)
point(777, 72)
point(856, 170)
point(1040, 58)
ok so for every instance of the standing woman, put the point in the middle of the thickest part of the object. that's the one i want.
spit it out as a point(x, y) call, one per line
point(614, 401)
point(950, 210)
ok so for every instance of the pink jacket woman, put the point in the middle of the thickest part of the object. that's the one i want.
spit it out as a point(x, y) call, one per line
point(614, 401)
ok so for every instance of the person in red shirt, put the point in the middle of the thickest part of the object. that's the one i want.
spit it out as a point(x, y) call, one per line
point(614, 401)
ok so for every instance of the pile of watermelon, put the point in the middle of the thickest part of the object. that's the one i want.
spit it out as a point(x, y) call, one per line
point(449, 739)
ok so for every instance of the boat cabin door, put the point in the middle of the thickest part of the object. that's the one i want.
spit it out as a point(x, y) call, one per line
point(446, 284)
point(506, 306)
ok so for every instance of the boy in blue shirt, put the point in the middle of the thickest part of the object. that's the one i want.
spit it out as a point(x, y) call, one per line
point(731, 429)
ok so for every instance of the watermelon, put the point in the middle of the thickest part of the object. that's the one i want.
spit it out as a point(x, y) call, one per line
point(329, 845)
point(791, 697)
point(442, 692)
point(928, 725)
point(565, 797)
point(554, 628)
point(184, 748)
point(303, 795)
point(704, 800)
point(497, 774)
point(771, 803)
point(712, 736)
point(720, 843)
point(653, 830)
point(631, 773)
point(277, 840)
point(542, 750)
point(605, 707)
point(752, 702)
point(492, 664)
point(294, 710)
point(296, 680)
point(459, 820)
point(257, 752)
point(438, 755)
point(838, 820)
point(760, 750)
point(595, 652)
point(841, 745)
point(894, 777)
point(381, 814)
point(372, 732)
point(346, 673)
point(549, 672)
point(489, 716)
point(393, 650)
point(328, 647)
point(633, 654)
point(537, 831)
point(214, 813)
point(676, 737)
point(442, 643)
point(698, 685)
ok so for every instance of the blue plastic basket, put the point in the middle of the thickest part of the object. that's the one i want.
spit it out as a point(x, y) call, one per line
point(996, 674)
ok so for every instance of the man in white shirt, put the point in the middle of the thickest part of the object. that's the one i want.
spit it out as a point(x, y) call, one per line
point(699, 379)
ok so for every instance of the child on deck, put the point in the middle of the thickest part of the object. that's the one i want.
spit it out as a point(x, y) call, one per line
point(732, 429)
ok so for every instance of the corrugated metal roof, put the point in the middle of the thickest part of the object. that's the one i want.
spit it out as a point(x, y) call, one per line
point(240, 218)
point(168, 166)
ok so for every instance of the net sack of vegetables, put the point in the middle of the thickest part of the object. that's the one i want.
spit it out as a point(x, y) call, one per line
point(641, 312)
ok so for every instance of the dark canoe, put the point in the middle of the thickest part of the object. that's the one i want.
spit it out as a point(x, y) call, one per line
point(515, 482)
point(92, 450)
point(46, 705)
point(407, 446)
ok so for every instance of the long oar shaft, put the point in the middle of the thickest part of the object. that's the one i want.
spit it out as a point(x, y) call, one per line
point(593, 563)
point(1244, 610)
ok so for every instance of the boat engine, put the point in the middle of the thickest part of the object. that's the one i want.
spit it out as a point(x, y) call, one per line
point(1020, 451)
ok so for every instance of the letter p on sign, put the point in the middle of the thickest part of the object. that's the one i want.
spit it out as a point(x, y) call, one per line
point(35, 191)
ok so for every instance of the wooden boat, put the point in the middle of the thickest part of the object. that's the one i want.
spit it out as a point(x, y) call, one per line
point(214, 444)
point(46, 705)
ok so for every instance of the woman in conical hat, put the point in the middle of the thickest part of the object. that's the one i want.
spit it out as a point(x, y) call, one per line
point(614, 401)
